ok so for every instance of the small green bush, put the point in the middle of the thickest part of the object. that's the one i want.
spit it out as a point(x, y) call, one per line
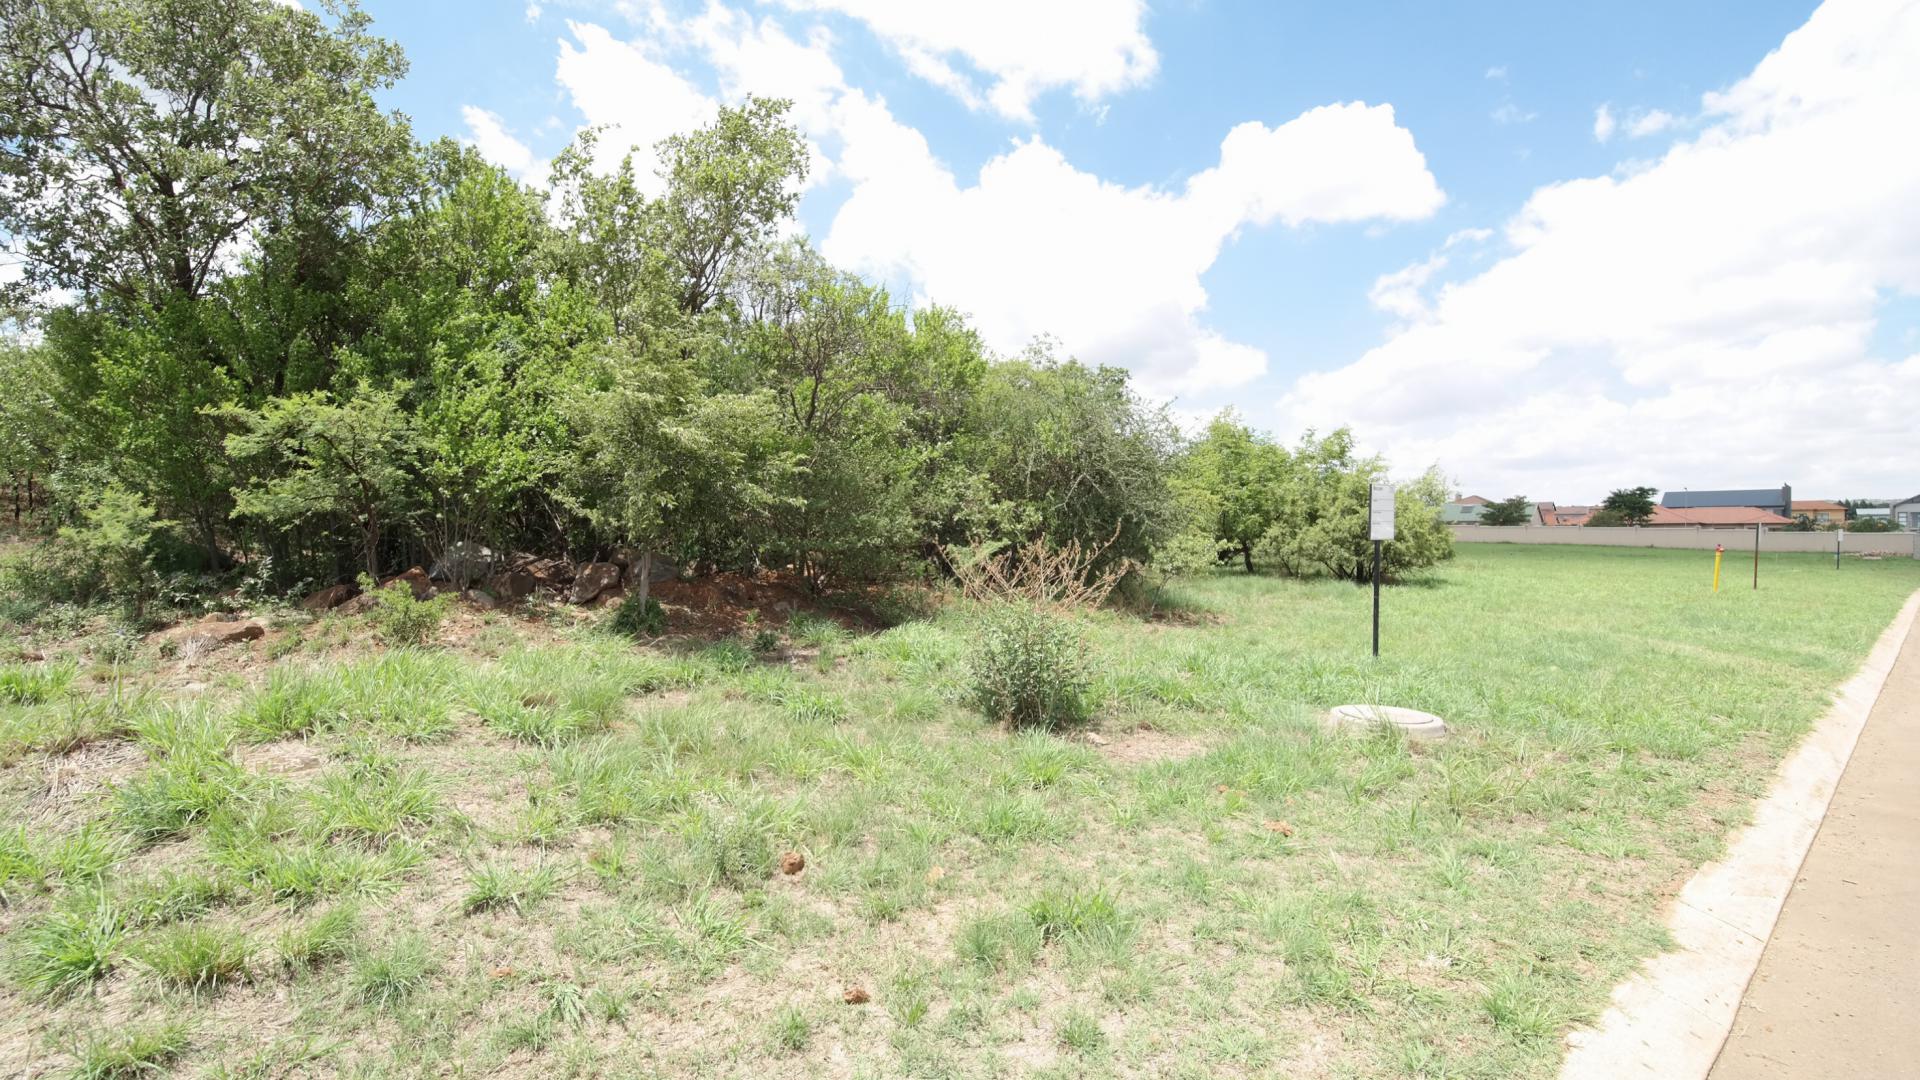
point(1030, 668)
point(399, 618)
point(635, 618)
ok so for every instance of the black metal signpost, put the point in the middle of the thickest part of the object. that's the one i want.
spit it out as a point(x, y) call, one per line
point(1379, 530)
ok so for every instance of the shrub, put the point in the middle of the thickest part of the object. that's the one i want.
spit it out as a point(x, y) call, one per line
point(639, 618)
point(1030, 668)
point(401, 619)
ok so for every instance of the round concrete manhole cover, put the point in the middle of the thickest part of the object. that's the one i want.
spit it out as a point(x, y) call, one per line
point(1416, 724)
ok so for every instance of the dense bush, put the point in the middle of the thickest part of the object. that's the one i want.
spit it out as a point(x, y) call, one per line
point(1030, 667)
point(400, 618)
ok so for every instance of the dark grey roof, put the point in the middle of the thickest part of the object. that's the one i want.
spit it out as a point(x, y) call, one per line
point(1693, 500)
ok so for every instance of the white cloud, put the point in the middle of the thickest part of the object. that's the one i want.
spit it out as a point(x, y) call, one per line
point(1022, 49)
point(1037, 246)
point(1509, 113)
point(1498, 73)
point(533, 12)
point(632, 91)
point(1652, 122)
point(489, 135)
point(1637, 123)
point(1704, 320)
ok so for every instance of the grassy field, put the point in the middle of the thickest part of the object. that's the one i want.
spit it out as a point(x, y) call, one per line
point(567, 860)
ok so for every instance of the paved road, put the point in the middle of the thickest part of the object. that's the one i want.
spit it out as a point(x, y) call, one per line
point(1838, 989)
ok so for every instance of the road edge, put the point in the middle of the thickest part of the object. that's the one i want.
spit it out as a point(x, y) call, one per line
point(1671, 1018)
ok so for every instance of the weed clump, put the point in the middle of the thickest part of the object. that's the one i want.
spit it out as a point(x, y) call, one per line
point(637, 618)
point(1031, 668)
point(400, 618)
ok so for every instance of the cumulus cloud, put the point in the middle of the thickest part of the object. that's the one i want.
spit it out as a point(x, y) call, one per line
point(488, 134)
point(1604, 125)
point(633, 91)
point(1035, 245)
point(1017, 48)
point(1702, 320)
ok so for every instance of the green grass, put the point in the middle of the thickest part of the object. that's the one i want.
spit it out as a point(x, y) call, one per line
point(1206, 883)
point(133, 1053)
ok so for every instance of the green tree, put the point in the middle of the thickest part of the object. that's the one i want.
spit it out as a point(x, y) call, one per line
point(147, 142)
point(657, 461)
point(1233, 477)
point(1514, 511)
point(1323, 523)
point(353, 461)
point(1634, 505)
point(1071, 452)
point(729, 185)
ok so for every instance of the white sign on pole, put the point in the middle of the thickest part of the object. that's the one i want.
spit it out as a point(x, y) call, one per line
point(1381, 519)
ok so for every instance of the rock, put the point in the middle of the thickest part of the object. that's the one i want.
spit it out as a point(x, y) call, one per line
point(330, 597)
point(512, 586)
point(359, 605)
point(611, 598)
point(415, 579)
point(593, 579)
point(856, 995)
point(792, 863)
point(551, 574)
point(213, 630)
point(479, 598)
point(464, 562)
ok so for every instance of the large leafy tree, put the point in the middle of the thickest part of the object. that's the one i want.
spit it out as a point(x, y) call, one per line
point(1323, 523)
point(1234, 479)
point(144, 144)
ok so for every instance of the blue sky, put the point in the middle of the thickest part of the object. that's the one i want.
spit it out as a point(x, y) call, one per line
point(1269, 282)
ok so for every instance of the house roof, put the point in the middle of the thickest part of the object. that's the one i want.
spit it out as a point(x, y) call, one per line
point(1685, 500)
point(1715, 515)
point(1810, 506)
point(1471, 500)
point(1907, 502)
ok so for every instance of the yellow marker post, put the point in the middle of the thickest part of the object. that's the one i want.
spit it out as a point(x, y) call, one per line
point(1718, 550)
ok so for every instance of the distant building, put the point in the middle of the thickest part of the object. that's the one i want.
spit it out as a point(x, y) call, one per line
point(1463, 511)
point(1876, 512)
point(1774, 500)
point(1555, 514)
point(1716, 517)
point(1906, 513)
point(1819, 511)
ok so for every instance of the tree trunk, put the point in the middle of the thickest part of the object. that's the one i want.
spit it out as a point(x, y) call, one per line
point(1246, 554)
point(644, 579)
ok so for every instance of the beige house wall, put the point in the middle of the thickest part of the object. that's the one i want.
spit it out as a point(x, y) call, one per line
point(1697, 538)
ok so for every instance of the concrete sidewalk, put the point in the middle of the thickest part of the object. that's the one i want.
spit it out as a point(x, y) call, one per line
point(1835, 992)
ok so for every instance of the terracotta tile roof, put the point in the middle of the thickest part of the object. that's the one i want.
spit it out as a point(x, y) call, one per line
point(1814, 506)
point(1471, 500)
point(1716, 515)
